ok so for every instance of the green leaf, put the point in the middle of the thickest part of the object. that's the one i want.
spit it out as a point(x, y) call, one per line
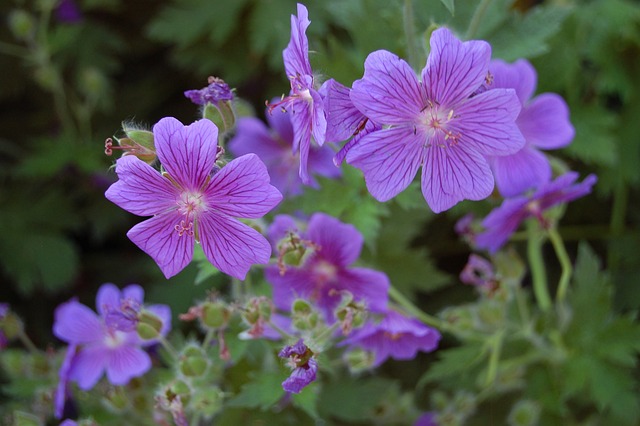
point(449, 5)
point(307, 400)
point(453, 362)
point(350, 399)
point(262, 392)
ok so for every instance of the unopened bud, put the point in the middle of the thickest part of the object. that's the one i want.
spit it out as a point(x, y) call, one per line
point(215, 314)
point(193, 362)
point(359, 360)
point(303, 316)
point(21, 24)
point(524, 413)
point(149, 325)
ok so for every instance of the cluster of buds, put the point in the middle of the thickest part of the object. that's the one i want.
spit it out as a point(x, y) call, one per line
point(257, 314)
point(293, 251)
point(350, 313)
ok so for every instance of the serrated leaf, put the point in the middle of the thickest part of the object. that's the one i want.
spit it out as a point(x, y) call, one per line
point(262, 392)
point(307, 400)
point(454, 361)
point(350, 399)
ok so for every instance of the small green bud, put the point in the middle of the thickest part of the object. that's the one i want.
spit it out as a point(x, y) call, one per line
point(303, 316)
point(149, 325)
point(47, 77)
point(11, 325)
point(465, 403)
point(193, 362)
point(301, 307)
point(359, 360)
point(215, 314)
point(524, 413)
point(92, 83)
point(490, 314)
point(21, 24)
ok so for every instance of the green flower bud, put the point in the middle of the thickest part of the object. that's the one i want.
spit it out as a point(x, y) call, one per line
point(215, 314)
point(359, 360)
point(193, 363)
point(524, 413)
point(303, 316)
point(149, 325)
point(92, 83)
point(21, 24)
point(11, 325)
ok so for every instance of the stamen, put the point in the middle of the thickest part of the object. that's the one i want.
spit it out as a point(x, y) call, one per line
point(182, 228)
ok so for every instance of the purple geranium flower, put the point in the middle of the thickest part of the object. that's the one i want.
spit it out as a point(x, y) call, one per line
point(304, 366)
point(504, 220)
point(395, 336)
point(68, 11)
point(427, 419)
point(62, 390)
point(325, 270)
point(274, 147)
point(190, 205)
point(4, 310)
point(217, 91)
point(478, 272)
point(101, 348)
point(436, 123)
point(304, 101)
point(544, 123)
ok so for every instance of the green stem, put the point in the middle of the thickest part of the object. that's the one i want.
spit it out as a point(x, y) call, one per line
point(170, 349)
point(401, 300)
point(409, 33)
point(13, 50)
point(476, 19)
point(26, 341)
point(618, 214)
point(536, 263)
point(565, 263)
point(495, 345)
point(523, 307)
point(208, 338)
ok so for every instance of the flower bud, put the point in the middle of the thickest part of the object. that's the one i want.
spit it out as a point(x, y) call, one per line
point(92, 83)
point(208, 401)
point(215, 314)
point(21, 24)
point(11, 325)
point(193, 362)
point(303, 316)
point(524, 413)
point(359, 360)
point(149, 325)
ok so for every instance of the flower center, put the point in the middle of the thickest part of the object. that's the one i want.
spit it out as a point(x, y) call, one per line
point(392, 336)
point(436, 120)
point(190, 205)
point(114, 339)
point(324, 271)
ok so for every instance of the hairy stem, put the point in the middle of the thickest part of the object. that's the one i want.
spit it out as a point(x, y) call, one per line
point(536, 263)
point(565, 263)
point(410, 34)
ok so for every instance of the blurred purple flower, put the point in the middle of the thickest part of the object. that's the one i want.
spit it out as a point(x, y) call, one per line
point(4, 310)
point(435, 123)
point(274, 146)
point(100, 348)
point(190, 205)
point(304, 102)
point(479, 272)
point(325, 271)
point(426, 419)
point(304, 366)
point(62, 390)
point(217, 91)
point(543, 121)
point(68, 11)
point(395, 336)
point(504, 220)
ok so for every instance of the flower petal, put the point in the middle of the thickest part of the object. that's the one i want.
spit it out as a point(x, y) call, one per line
point(301, 121)
point(545, 122)
point(141, 190)
point(280, 121)
point(241, 189)
point(252, 136)
point(76, 323)
point(367, 285)
point(108, 297)
point(340, 243)
point(486, 123)
point(88, 365)
point(451, 174)
point(287, 287)
point(526, 169)
point(187, 153)
point(125, 363)
point(343, 118)
point(133, 292)
point(520, 75)
point(231, 246)
point(454, 69)
point(389, 92)
point(159, 239)
point(296, 54)
point(389, 159)
point(501, 223)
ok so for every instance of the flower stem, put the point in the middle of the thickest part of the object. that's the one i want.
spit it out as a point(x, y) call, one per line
point(618, 213)
point(208, 338)
point(536, 263)
point(476, 19)
point(495, 345)
point(401, 300)
point(565, 263)
point(27, 342)
point(169, 348)
point(410, 34)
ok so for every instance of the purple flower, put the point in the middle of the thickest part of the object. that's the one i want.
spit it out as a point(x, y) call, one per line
point(217, 91)
point(395, 336)
point(544, 123)
point(478, 271)
point(435, 123)
point(427, 419)
point(101, 348)
point(504, 220)
point(190, 204)
point(68, 11)
point(274, 147)
point(325, 272)
point(344, 120)
point(62, 390)
point(4, 310)
point(304, 101)
point(304, 366)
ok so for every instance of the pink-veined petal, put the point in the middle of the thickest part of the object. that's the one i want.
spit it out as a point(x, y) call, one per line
point(520, 76)
point(76, 323)
point(125, 363)
point(318, 118)
point(545, 122)
point(88, 365)
point(231, 246)
point(486, 123)
point(389, 159)
point(451, 174)
point(389, 92)
point(516, 173)
point(454, 69)
point(241, 189)
point(296, 54)
point(159, 239)
point(141, 190)
point(187, 153)
point(343, 118)
point(301, 121)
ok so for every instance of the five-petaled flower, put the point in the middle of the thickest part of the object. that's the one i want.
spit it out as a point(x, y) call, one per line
point(441, 123)
point(190, 204)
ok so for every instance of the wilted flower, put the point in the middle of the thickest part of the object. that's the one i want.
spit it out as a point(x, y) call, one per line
point(304, 366)
point(217, 91)
point(189, 204)
point(504, 220)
